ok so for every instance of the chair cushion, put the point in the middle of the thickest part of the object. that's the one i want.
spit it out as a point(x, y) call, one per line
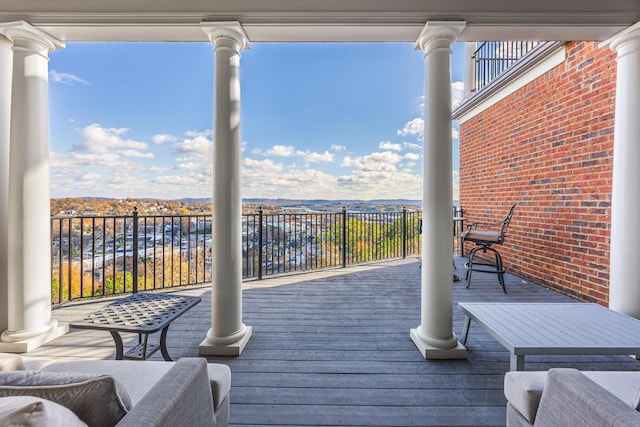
point(30, 411)
point(98, 400)
point(622, 384)
point(138, 378)
point(481, 235)
point(524, 390)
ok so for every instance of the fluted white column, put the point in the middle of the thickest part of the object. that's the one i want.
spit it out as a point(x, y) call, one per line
point(435, 337)
point(6, 65)
point(28, 220)
point(624, 292)
point(228, 335)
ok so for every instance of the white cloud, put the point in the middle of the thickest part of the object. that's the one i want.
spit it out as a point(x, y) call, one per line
point(200, 146)
point(411, 146)
point(99, 140)
point(381, 161)
point(336, 147)
point(348, 162)
point(455, 134)
point(456, 185)
point(264, 178)
point(390, 146)
point(108, 164)
point(266, 165)
point(163, 138)
point(325, 157)
point(65, 78)
point(196, 133)
point(281, 151)
point(412, 156)
point(457, 93)
point(414, 127)
point(290, 151)
point(136, 153)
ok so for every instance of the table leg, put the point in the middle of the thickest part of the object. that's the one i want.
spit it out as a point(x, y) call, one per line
point(516, 362)
point(119, 347)
point(465, 329)
point(163, 344)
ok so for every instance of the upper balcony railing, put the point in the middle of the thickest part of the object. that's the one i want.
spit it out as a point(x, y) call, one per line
point(494, 58)
point(98, 256)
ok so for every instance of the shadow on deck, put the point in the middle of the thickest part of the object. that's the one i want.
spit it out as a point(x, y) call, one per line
point(333, 348)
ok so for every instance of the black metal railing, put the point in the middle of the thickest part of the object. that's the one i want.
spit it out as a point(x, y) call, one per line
point(98, 256)
point(493, 58)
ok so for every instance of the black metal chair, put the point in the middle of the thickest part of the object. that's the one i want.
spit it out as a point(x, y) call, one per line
point(484, 240)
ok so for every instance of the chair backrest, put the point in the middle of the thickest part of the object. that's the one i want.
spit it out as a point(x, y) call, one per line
point(505, 223)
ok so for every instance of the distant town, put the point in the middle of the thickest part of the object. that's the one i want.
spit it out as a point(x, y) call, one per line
point(95, 206)
point(99, 246)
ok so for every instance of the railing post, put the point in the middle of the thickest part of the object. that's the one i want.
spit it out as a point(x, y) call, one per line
point(404, 232)
point(134, 270)
point(260, 243)
point(344, 237)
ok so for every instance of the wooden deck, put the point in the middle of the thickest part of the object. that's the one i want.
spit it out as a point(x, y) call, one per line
point(333, 348)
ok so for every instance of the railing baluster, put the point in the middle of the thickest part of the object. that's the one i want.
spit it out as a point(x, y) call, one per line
point(494, 58)
point(260, 243)
point(344, 237)
point(134, 266)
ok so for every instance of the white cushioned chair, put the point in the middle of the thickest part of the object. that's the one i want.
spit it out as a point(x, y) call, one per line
point(123, 392)
point(568, 397)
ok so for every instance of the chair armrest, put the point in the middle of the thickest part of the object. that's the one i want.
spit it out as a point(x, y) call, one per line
point(570, 398)
point(475, 225)
point(181, 397)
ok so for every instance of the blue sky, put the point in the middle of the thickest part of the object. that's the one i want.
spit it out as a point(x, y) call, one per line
point(319, 120)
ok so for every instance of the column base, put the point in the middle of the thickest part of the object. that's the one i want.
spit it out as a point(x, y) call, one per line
point(29, 344)
point(234, 349)
point(430, 352)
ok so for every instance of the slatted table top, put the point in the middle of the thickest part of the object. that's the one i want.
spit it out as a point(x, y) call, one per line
point(140, 313)
point(557, 328)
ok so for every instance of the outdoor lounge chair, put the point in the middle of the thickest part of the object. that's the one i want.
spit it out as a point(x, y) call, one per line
point(484, 238)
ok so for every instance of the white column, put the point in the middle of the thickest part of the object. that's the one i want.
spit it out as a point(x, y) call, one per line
point(29, 232)
point(469, 69)
point(435, 337)
point(228, 335)
point(624, 290)
point(6, 65)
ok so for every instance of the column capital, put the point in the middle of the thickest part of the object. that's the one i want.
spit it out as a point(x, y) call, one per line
point(226, 29)
point(20, 30)
point(439, 30)
point(627, 37)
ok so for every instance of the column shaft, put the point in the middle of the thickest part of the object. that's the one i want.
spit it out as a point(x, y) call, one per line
point(435, 337)
point(6, 65)
point(29, 319)
point(624, 292)
point(228, 335)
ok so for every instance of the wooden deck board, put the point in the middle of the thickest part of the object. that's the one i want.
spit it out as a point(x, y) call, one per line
point(333, 348)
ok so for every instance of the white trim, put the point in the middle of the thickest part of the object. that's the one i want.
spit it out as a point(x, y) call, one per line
point(509, 86)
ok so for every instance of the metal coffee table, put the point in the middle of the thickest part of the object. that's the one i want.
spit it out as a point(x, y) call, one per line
point(554, 329)
point(141, 313)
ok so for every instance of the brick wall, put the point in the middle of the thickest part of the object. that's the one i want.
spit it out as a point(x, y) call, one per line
point(549, 148)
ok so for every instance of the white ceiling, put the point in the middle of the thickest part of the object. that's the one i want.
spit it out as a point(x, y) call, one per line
point(323, 20)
